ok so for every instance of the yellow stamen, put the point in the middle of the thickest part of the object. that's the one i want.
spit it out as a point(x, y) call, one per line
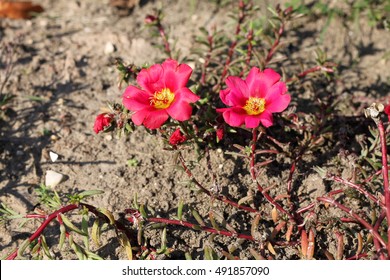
point(254, 106)
point(162, 99)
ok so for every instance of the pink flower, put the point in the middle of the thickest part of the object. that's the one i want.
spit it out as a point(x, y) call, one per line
point(387, 110)
point(102, 121)
point(253, 100)
point(177, 138)
point(163, 94)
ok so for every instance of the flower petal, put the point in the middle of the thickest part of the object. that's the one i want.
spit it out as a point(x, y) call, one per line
point(180, 110)
point(186, 95)
point(252, 121)
point(151, 79)
point(234, 116)
point(139, 116)
point(175, 76)
point(266, 118)
point(277, 100)
point(260, 82)
point(236, 94)
point(155, 119)
point(135, 99)
point(224, 95)
point(238, 85)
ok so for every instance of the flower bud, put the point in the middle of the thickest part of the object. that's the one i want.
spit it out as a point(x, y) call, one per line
point(177, 138)
point(150, 19)
point(387, 110)
point(102, 121)
point(220, 133)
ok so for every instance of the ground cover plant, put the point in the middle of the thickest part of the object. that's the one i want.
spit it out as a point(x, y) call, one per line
point(236, 145)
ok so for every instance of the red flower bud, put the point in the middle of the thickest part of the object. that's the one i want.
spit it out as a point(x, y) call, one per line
point(220, 133)
point(387, 110)
point(102, 121)
point(177, 138)
point(149, 19)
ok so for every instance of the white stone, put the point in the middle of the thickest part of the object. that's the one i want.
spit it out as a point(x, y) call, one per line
point(109, 48)
point(53, 156)
point(53, 178)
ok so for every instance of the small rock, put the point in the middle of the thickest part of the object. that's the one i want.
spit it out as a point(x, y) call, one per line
point(109, 48)
point(53, 178)
point(53, 156)
point(108, 137)
point(43, 22)
point(54, 138)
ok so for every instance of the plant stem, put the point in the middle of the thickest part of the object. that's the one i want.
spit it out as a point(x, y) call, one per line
point(164, 38)
point(45, 223)
point(274, 46)
point(249, 37)
point(306, 208)
point(356, 187)
point(207, 192)
point(203, 228)
point(63, 210)
point(254, 177)
point(232, 47)
point(385, 174)
point(376, 227)
point(324, 68)
point(349, 211)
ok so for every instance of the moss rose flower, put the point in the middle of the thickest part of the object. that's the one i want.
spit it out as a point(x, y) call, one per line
point(163, 93)
point(253, 100)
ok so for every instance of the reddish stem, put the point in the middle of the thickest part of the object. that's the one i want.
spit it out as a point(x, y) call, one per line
point(317, 68)
point(254, 177)
point(289, 180)
point(272, 50)
point(207, 192)
point(363, 255)
point(376, 227)
point(249, 37)
point(210, 230)
point(356, 187)
point(56, 214)
point(232, 47)
point(164, 38)
point(45, 223)
point(306, 208)
point(35, 216)
point(385, 174)
point(203, 228)
point(349, 211)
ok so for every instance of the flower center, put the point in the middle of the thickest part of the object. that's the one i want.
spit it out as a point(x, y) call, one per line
point(254, 106)
point(162, 99)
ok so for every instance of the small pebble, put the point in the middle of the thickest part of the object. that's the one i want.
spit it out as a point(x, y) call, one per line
point(53, 178)
point(53, 156)
point(109, 48)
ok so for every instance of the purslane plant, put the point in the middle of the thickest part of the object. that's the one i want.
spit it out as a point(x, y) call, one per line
point(238, 90)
